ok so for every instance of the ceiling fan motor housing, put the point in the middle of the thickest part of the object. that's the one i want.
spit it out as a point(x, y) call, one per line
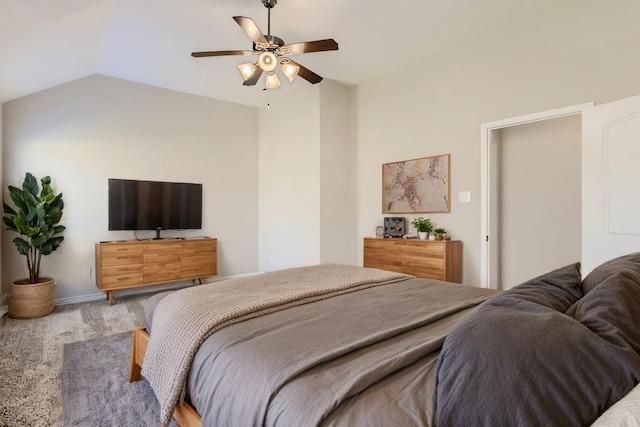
point(274, 40)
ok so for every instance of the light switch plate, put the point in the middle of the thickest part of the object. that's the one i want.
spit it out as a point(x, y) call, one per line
point(464, 197)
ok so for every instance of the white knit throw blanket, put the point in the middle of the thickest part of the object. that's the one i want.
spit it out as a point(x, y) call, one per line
point(184, 319)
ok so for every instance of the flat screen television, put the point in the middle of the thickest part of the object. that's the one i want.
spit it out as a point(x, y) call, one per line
point(154, 205)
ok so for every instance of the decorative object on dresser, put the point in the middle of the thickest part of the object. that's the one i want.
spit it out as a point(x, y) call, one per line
point(394, 227)
point(136, 263)
point(432, 259)
point(423, 226)
point(439, 233)
point(415, 186)
point(36, 220)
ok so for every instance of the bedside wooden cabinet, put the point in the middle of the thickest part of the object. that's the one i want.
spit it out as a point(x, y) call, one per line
point(137, 263)
point(432, 259)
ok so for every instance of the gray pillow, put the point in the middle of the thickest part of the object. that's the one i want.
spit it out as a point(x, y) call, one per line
point(557, 289)
point(518, 359)
point(612, 311)
point(627, 263)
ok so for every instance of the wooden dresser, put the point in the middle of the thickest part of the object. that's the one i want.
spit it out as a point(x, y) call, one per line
point(433, 259)
point(137, 263)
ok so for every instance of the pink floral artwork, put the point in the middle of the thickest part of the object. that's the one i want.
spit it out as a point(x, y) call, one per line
point(416, 186)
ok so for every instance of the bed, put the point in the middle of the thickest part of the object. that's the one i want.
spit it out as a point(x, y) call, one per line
point(380, 348)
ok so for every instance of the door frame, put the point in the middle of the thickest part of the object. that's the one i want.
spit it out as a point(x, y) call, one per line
point(489, 242)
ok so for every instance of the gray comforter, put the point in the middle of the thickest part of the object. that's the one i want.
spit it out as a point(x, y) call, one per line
point(364, 358)
point(182, 321)
point(544, 353)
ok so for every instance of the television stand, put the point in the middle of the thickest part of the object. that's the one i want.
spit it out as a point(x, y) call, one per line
point(158, 234)
point(137, 263)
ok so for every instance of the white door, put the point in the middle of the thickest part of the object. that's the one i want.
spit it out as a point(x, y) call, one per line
point(610, 181)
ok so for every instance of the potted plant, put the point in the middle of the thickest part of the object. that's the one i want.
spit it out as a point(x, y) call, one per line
point(36, 219)
point(423, 226)
point(439, 233)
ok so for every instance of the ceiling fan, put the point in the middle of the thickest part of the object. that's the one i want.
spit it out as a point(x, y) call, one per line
point(271, 51)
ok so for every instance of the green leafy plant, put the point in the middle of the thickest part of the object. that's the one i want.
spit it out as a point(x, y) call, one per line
point(36, 220)
point(439, 231)
point(422, 225)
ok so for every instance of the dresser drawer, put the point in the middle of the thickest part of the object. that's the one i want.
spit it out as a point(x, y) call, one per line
point(198, 267)
point(427, 270)
point(167, 256)
point(425, 248)
point(161, 271)
point(120, 281)
point(114, 270)
point(161, 247)
point(199, 248)
point(379, 244)
point(120, 254)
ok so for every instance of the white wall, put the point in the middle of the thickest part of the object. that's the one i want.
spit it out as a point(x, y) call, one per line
point(84, 132)
point(305, 200)
point(540, 198)
point(575, 52)
point(290, 181)
point(337, 214)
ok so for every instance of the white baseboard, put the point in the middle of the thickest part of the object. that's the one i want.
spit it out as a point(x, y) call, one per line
point(81, 298)
point(102, 296)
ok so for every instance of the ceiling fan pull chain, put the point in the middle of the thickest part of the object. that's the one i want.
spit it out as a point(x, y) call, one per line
point(268, 98)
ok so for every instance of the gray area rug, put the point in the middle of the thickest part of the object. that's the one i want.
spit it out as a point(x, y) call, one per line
point(31, 354)
point(95, 387)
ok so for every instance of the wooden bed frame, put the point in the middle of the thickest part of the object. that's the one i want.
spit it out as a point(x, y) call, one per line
point(185, 414)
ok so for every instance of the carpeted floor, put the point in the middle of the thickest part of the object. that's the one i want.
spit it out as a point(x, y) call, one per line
point(31, 355)
point(96, 390)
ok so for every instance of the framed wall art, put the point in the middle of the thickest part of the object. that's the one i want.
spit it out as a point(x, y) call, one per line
point(416, 186)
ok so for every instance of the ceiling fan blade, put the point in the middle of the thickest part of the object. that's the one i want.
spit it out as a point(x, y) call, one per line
point(220, 53)
point(307, 47)
point(251, 29)
point(254, 78)
point(307, 74)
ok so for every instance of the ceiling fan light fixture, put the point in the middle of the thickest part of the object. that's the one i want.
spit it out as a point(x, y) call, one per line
point(290, 70)
point(267, 61)
point(247, 70)
point(273, 82)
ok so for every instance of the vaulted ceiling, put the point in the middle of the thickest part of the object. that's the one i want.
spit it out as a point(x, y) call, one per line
point(44, 43)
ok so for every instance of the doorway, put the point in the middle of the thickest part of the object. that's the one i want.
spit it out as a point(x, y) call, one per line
point(530, 194)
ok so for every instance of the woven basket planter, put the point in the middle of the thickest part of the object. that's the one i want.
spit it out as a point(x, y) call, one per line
point(28, 301)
